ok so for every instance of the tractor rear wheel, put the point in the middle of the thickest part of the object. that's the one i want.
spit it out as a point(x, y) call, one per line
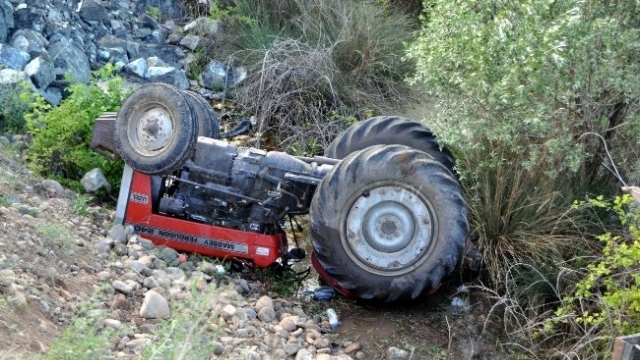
point(388, 223)
point(389, 130)
point(156, 129)
point(208, 124)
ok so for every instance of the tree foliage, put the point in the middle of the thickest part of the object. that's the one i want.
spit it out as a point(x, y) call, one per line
point(535, 70)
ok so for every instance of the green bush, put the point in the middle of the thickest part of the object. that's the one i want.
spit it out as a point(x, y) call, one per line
point(61, 135)
point(535, 71)
point(12, 108)
point(516, 85)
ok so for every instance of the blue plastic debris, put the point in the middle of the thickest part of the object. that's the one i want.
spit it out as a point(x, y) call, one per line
point(321, 293)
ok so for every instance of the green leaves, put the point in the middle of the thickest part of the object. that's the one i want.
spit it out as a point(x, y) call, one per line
point(61, 135)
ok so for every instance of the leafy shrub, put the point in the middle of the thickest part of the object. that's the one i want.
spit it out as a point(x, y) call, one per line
point(308, 60)
point(534, 71)
point(516, 85)
point(12, 108)
point(61, 135)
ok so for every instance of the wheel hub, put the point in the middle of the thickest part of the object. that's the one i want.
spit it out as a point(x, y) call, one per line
point(152, 131)
point(389, 229)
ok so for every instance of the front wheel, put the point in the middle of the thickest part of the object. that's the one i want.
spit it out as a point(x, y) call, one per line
point(156, 129)
point(388, 223)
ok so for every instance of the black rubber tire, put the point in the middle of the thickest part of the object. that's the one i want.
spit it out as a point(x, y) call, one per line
point(389, 130)
point(208, 124)
point(184, 135)
point(401, 166)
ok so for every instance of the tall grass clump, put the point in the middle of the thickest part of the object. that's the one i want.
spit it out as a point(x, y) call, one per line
point(313, 62)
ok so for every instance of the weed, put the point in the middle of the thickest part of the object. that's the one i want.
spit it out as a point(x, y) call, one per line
point(4, 201)
point(154, 12)
point(192, 329)
point(82, 339)
point(80, 204)
point(55, 234)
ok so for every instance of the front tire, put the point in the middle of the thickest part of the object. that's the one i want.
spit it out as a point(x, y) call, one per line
point(388, 223)
point(156, 130)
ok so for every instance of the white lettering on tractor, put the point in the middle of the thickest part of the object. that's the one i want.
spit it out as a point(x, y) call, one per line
point(192, 239)
point(139, 198)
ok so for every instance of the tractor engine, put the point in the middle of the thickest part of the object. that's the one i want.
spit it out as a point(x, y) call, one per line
point(239, 187)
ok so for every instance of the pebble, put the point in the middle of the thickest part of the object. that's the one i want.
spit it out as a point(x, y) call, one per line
point(351, 348)
point(122, 287)
point(7, 277)
point(267, 314)
point(289, 323)
point(19, 301)
point(393, 353)
point(118, 234)
point(263, 302)
point(154, 306)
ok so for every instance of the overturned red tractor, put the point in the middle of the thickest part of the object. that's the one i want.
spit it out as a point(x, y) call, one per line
point(387, 217)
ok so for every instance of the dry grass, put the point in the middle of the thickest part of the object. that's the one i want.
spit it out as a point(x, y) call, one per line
point(521, 215)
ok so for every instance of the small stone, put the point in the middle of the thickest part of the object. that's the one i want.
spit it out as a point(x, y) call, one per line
point(228, 311)
point(292, 348)
point(304, 354)
point(120, 302)
point(7, 277)
point(263, 302)
point(122, 287)
point(150, 283)
point(289, 323)
point(118, 234)
point(360, 355)
point(19, 301)
point(112, 323)
point(351, 348)
point(267, 314)
point(150, 329)
point(393, 353)
point(154, 306)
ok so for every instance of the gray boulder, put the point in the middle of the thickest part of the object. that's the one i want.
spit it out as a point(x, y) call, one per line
point(12, 58)
point(41, 72)
point(154, 306)
point(52, 94)
point(191, 41)
point(6, 19)
point(29, 41)
point(217, 76)
point(138, 67)
point(92, 10)
point(203, 26)
point(69, 58)
point(169, 75)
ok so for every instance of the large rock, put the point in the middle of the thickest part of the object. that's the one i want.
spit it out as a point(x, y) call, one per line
point(29, 41)
point(203, 26)
point(217, 76)
point(69, 58)
point(154, 306)
point(92, 10)
point(12, 58)
point(6, 19)
point(41, 72)
point(94, 180)
point(138, 67)
point(169, 75)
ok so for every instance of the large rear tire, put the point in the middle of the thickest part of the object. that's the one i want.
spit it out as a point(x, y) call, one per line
point(389, 130)
point(388, 223)
point(208, 124)
point(156, 130)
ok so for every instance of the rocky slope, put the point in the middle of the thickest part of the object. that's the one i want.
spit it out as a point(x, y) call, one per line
point(42, 41)
point(61, 271)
